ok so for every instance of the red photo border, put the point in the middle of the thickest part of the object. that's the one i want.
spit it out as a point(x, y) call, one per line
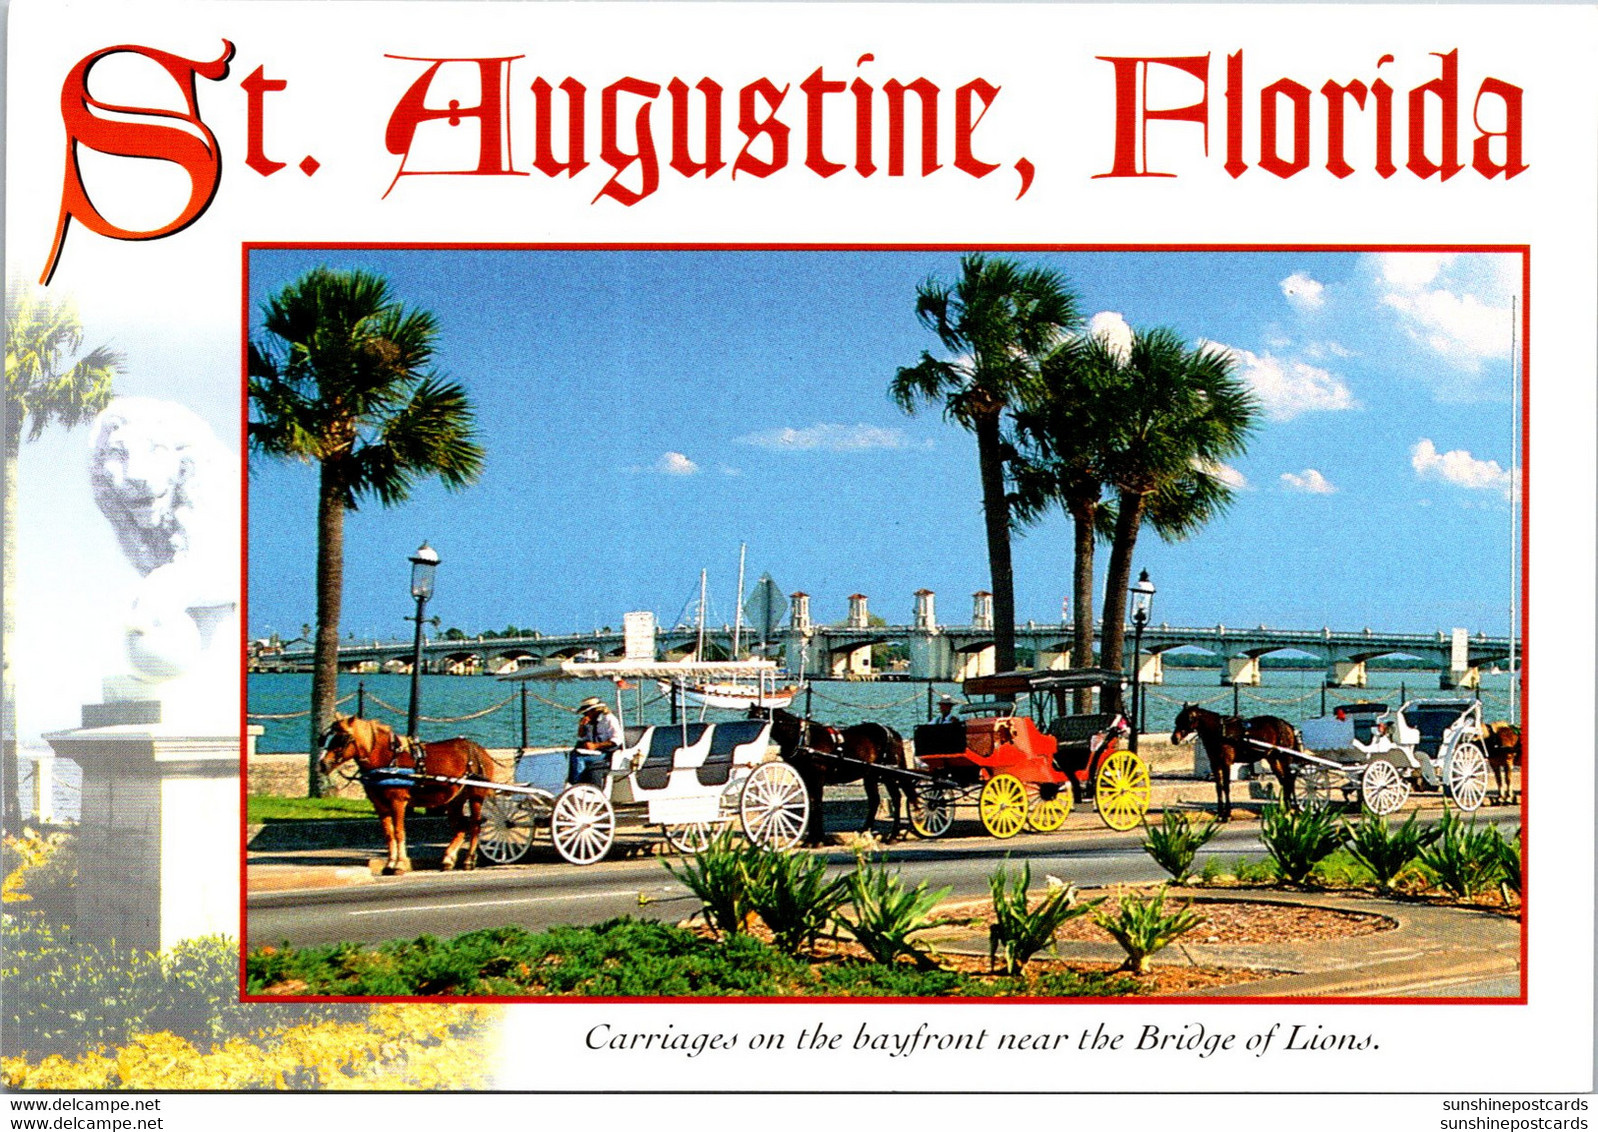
point(1523, 327)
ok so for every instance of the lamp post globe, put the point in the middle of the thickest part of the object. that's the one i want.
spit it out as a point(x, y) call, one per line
point(424, 563)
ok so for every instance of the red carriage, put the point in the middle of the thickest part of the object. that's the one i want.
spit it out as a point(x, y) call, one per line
point(1027, 762)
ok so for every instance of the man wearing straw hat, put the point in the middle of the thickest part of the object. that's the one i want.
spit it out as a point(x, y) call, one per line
point(599, 735)
point(946, 711)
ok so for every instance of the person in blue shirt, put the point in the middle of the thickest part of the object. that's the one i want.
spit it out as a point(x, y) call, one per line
point(599, 735)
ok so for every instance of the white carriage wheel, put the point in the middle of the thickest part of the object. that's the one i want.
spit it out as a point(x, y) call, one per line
point(582, 825)
point(1382, 789)
point(932, 812)
point(691, 837)
point(1312, 786)
point(1467, 776)
point(774, 806)
point(508, 825)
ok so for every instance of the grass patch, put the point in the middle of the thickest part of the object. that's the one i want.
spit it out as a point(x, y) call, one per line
point(1342, 870)
point(268, 807)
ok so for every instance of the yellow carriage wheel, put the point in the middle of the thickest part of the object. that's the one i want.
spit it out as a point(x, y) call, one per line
point(1122, 790)
point(1046, 815)
point(1003, 805)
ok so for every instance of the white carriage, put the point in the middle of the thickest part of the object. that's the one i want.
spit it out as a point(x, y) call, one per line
point(689, 779)
point(1382, 755)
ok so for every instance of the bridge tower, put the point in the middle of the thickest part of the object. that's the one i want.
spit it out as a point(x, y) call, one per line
point(982, 610)
point(859, 617)
point(800, 618)
point(931, 657)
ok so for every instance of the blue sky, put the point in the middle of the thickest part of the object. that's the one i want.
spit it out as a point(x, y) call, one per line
point(645, 412)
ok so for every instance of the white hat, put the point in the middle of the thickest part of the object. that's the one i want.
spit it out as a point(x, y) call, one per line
point(592, 703)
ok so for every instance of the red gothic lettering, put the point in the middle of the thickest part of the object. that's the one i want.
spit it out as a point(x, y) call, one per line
point(198, 156)
point(493, 145)
point(1132, 114)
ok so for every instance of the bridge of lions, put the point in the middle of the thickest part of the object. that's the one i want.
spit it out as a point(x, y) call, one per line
point(930, 650)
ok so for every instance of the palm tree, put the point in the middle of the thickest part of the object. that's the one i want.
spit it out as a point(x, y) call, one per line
point(340, 376)
point(1059, 457)
point(998, 320)
point(1181, 411)
point(44, 386)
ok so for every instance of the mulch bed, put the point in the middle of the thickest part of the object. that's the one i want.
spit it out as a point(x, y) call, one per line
point(1241, 921)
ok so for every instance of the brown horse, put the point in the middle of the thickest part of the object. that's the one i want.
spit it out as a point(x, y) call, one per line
point(1505, 748)
point(1226, 742)
point(397, 773)
point(806, 745)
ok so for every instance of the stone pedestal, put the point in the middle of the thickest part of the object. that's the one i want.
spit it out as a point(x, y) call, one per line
point(158, 839)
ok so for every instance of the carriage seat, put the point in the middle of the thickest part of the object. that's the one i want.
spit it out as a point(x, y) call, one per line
point(1073, 736)
point(670, 745)
point(737, 743)
point(632, 733)
point(940, 739)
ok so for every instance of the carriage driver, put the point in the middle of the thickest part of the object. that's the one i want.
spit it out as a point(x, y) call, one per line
point(599, 734)
point(946, 711)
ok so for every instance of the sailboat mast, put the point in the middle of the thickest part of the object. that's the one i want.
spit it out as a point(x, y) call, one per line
point(738, 617)
point(699, 648)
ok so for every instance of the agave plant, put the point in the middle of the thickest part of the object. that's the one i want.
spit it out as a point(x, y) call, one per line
point(886, 914)
point(1384, 849)
point(1299, 839)
point(1143, 927)
point(722, 876)
point(792, 896)
point(1464, 858)
point(1175, 842)
point(1021, 930)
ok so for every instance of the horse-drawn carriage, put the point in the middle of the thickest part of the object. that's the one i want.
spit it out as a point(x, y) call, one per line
point(687, 778)
point(1026, 770)
point(1382, 755)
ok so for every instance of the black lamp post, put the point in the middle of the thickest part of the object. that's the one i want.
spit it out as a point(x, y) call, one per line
point(423, 563)
point(1142, 603)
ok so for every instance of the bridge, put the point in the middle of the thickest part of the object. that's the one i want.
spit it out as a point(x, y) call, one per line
point(929, 650)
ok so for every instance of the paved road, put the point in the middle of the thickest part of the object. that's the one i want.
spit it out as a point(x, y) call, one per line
point(549, 892)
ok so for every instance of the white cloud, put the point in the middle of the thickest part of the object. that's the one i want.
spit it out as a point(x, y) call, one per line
point(1460, 468)
point(729, 470)
point(1317, 351)
point(675, 464)
point(1302, 292)
point(827, 438)
point(1111, 328)
point(1456, 306)
point(1309, 481)
point(1227, 474)
point(1288, 388)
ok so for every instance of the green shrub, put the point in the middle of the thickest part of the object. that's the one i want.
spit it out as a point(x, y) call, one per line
point(1341, 869)
point(1214, 869)
point(1298, 839)
point(68, 997)
point(1464, 859)
point(1263, 871)
point(791, 894)
point(1385, 850)
point(1020, 932)
point(1507, 850)
point(619, 958)
point(1143, 927)
point(721, 875)
point(1175, 842)
point(886, 914)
